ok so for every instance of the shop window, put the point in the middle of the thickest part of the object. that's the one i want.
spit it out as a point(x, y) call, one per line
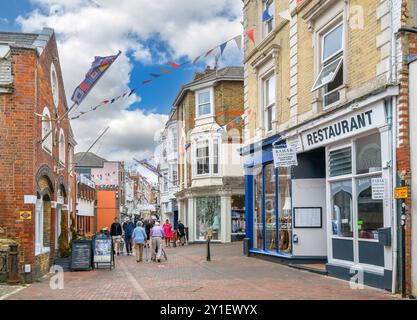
point(269, 102)
point(340, 162)
point(238, 215)
point(204, 103)
point(284, 210)
point(342, 210)
point(208, 218)
point(370, 211)
point(268, 17)
point(258, 222)
point(270, 208)
point(330, 77)
point(368, 154)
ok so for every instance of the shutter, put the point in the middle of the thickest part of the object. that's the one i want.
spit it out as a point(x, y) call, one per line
point(340, 162)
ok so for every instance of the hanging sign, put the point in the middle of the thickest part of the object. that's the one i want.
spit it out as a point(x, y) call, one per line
point(285, 157)
point(401, 193)
point(378, 189)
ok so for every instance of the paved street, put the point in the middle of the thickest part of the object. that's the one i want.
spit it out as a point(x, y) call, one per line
point(187, 275)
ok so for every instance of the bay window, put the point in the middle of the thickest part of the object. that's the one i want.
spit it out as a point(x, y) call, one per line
point(207, 157)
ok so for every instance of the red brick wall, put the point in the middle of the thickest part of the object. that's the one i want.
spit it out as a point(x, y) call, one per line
point(20, 151)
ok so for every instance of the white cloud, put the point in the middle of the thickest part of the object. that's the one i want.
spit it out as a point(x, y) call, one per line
point(86, 28)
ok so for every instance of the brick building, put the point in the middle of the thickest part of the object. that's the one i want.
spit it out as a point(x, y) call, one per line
point(330, 80)
point(109, 178)
point(210, 170)
point(86, 218)
point(33, 174)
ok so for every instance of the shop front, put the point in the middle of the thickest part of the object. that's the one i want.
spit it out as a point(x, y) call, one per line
point(334, 206)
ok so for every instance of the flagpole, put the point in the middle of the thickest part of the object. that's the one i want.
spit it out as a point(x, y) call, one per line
point(94, 143)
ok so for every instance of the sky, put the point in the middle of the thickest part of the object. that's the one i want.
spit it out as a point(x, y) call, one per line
point(149, 34)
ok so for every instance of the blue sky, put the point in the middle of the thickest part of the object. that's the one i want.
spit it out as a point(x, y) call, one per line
point(150, 33)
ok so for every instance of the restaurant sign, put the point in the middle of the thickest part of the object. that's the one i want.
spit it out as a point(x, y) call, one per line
point(346, 127)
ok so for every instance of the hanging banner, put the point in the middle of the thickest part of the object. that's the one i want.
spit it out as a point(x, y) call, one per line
point(97, 70)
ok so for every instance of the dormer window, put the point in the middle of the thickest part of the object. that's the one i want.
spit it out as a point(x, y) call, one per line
point(54, 86)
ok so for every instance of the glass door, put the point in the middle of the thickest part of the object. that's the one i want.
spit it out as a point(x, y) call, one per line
point(284, 210)
point(270, 209)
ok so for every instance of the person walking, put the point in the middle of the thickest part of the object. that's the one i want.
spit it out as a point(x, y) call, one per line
point(139, 239)
point(168, 233)
point(116, 234)
point(157, 235)
point(181, 232)
point(128, 228)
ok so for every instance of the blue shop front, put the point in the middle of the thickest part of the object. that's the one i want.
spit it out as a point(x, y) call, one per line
point(278, 200)
point(334, 206)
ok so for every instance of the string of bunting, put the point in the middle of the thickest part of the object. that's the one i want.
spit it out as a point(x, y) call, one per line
point(165, 71)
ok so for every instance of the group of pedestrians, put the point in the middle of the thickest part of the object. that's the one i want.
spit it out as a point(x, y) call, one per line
point(146, 234)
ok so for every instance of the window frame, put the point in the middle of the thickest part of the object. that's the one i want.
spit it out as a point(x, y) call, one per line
point(47, 145)
point(62, 147)
point(54, 83)
point(272, 106)
point(197, 103)
point(211, 142)
point(265, 24)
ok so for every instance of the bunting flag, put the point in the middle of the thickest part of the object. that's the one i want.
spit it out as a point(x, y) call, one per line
point(155, 75)
point(99, 66)
point(209, 52)
point(266, 15)
point(164, 70)
point(144, 163)
point(196, 59)
point(132, 92)
point(146, 81)
point(251, 34)
point(286, 14)
point(238, 41)
point(174, 65)
point(222, 47)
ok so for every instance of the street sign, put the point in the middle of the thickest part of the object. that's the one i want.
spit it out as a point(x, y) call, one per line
point(25, 215)
point(401, 193)
point(285, 157)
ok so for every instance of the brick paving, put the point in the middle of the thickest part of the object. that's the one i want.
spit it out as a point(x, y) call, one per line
point(186, 275)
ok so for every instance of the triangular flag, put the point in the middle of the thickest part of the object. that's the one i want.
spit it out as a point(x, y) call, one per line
point(106, 101)
point(155, 75)
point(251, 34)
point(232, 125)
point(222, 47)
point(146, 81)
point(132, 92)
point(173, 65)
point(164, 70)
point(238, 41)
point(266, 16)
point(196, 59)
point(286, 14)
point(237, 120)
point(209, 52)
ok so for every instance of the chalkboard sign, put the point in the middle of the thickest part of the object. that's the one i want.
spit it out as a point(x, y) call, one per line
point(81, 255)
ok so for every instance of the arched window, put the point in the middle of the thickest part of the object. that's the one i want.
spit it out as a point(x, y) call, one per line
point(54, 86)
point(46, 130)
point(61, 146)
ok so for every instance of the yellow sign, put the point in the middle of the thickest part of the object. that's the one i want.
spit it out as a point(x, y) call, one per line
point(401, 193)
point(25, 215)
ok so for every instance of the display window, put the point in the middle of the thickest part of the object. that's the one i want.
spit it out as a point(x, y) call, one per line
point(238, 215)
point(208, 218)
point(356, 211)
point(272, 211)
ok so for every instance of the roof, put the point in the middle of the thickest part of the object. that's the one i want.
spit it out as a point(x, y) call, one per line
point(89, 160)
point(36, 41)
point(224, 74)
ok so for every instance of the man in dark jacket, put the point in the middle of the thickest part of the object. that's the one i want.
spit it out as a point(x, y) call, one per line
point(181, 232)
point(128, 228)
point(116, 234)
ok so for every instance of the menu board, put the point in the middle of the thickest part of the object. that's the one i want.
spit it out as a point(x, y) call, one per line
point(308, 218)
point(81, 254)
